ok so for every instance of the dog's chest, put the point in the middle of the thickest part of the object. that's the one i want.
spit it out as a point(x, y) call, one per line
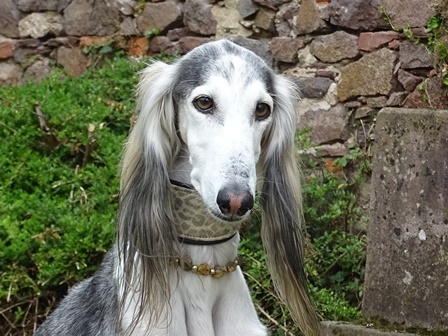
point(191, 310)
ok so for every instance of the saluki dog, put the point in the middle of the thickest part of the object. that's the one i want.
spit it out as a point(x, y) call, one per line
point(212, 129)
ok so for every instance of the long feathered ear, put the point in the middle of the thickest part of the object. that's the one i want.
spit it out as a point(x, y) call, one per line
point(146, 238)
point(281, 203)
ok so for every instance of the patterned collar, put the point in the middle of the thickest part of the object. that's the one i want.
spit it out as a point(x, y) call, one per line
point(193, 221)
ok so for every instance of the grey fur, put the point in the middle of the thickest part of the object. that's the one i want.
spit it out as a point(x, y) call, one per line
point(90, 308)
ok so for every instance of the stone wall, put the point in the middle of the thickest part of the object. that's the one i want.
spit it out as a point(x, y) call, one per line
point(342, 54)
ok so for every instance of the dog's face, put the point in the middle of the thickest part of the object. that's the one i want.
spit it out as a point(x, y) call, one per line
point(224, 105)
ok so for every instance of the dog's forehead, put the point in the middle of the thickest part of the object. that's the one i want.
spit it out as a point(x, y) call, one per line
point(224, 59)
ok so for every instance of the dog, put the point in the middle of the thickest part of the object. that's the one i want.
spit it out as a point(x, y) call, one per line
point(213, 128)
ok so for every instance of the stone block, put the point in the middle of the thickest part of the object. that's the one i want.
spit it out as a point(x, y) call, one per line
point(312, 87)
point(396, 99)
point(37, 5)
point(286, 19)
point(284, 49)
point(39, 70)
point(408, 13)
point(90, 41)
point(161, 16)
point(407, 255)
point(38, 25)
point(357, 14)
point(198, 17)
point(10, 74)
point(408, 80)
point(128, 27)
point(306, 59)
point(414, 55)
point(177, 33)
point(138, 46)
point(308, 18)
point(265, 20)
point(103, 18)
point(272, 4)
point(335, 47)
point(331, 328)
point(247, 8)
point(160, 44)
point(332, 150)
point(372, 41)
point(73, 60)
point(441, 7)
point(188, 43)
point(9, 19)
point(6, 47)
point(228, 17)
point(328, 123)
point(370, 76)
point(67, 41)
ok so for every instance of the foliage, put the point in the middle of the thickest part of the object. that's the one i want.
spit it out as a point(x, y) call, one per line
point(336, 262)
point(149, 34)
point(438, 45)
point(58, 187)
point(332, 212)
point(58, 201)
point(100, 49)
point(335, 255)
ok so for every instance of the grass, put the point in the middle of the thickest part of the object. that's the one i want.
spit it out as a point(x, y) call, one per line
point(61, 148)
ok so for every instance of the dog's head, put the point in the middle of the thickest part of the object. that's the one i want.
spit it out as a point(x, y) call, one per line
point(237, 120)
point(224, 96)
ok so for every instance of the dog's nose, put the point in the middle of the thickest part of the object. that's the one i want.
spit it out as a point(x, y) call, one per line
point(233, 202)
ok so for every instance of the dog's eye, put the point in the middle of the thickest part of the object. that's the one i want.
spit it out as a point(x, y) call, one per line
point(203, 103)
point(262, 111)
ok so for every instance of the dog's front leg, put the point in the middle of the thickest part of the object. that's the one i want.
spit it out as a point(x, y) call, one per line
point(172, 317)
point(198, 299)
point(234, 313)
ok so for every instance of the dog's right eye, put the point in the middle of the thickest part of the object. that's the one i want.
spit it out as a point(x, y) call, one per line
point(203, 104)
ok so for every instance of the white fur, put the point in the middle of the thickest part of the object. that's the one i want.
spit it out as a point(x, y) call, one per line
point(224, 144)
point(202, 305)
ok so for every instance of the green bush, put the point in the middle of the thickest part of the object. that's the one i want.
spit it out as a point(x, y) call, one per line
point(336, 263)
point(336, 253)
point(59, 185)
point(59, 198)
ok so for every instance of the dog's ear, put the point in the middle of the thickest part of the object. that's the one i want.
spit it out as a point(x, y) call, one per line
point(145, 232)
point(281, 202)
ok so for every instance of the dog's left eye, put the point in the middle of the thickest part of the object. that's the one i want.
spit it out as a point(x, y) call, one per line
point(262, 111)
point(203, 104)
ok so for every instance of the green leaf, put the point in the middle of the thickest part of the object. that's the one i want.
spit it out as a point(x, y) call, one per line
point(106, 49)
